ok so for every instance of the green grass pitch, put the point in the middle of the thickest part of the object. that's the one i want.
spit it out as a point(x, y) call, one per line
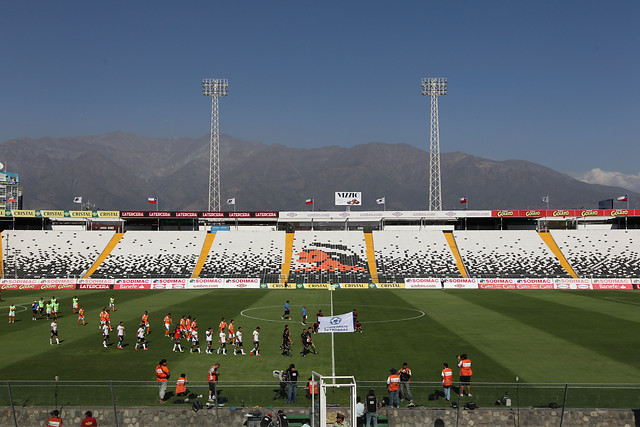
point(539, 336)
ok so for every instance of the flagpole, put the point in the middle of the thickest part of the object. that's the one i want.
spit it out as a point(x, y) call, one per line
point(157, 204)
point(313, 204)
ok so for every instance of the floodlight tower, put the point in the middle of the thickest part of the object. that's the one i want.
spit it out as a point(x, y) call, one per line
point(434, 87)
point(214, 88)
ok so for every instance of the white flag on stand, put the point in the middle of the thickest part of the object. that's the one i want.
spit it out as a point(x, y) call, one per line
point(231, 201)
point(338, 323)
point(77, 199)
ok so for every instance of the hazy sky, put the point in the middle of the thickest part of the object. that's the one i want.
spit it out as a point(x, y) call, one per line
point(552, 82)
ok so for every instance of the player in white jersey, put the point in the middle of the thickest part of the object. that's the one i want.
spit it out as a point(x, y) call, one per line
point(223, 341)
point(121, 335)
point(141, 340)
point(256, 342)
point(209, 337)
point(54, 333)
point(105, 335)
point(238, 343)
point(195, 342)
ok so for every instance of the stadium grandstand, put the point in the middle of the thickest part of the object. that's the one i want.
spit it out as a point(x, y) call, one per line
point(321, 247)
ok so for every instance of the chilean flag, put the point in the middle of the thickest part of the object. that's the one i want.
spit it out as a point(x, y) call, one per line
point(624, 198)
point(153, 200)
point(309, 201)
point(463, 200)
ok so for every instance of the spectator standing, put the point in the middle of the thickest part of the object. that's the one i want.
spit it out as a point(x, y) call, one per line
point(372, 405)
point(359, 412)
point(447, 380)
point(393, 384)
point(162, 375)
point(281, 419)
point(465, 373)
point(89, 421)
point(292, 384)
point(405, 386)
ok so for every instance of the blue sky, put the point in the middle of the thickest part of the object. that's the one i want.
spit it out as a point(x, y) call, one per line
point(552, 82)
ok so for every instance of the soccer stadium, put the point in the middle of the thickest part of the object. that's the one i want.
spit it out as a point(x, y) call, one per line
point(543, 303)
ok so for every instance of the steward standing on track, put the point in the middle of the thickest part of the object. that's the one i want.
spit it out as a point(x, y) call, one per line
point(162, 374)
point(393, 384)
point(447, 380)
point(465, 373)
point(213, 379)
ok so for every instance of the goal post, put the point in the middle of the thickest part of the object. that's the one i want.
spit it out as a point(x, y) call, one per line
point(325, 382)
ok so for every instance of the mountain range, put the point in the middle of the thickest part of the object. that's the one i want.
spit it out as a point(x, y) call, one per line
point(119, 171)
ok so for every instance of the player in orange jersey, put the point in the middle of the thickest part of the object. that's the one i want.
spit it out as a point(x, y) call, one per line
point(167, 325)
point(222, 325)
point(145, 320)
point(81, 315)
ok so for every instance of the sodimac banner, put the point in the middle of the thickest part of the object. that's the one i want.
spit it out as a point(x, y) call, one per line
point(525, 283)
point(423, 283)
point(460, 283)
point(612, 284)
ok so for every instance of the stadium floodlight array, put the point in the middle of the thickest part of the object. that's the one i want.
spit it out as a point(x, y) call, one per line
point(214, 88)
point(434, 87)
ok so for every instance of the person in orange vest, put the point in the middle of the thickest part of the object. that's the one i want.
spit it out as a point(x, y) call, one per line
point(312, 388)
point(55, 420)
point(162, 374)
point(181, 385)
point(447, 380)
point(393, 384)
point(145, 320)
point(212, 378)
point(465, 373)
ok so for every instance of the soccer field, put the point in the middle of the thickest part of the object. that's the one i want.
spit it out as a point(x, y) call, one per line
point(540, 336)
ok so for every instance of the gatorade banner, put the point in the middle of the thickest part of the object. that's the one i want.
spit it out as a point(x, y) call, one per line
point(339, 323)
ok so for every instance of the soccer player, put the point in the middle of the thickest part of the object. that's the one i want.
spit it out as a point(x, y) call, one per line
point(209, 337)
point(194, 324)
point(107, 319)
point(304, 314)
point(12, 313)
point(222, 325)
point(167, 325)
point(55, 308)
point(141, 339)
point(232, 333)
point(103, 318)
point(286, 343)
point(177, 334)
point(145, 320)
point(34, 310)
point(41, 306)
point(223, 342)
point(287, 311)
point(358, 326)
point(305, 345)
point(74, 304)
point(105, 335)
point(238, 342)
point(256, 342)
point(195, 342)
point(54, 333)
point(49, 310)
point(187, 328)
point(121, 335)
point(183, 325)
point(319, 315)
point(81, 315)
point(112, 304)
point(310, 342)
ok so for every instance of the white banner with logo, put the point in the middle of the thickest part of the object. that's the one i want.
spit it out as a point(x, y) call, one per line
point(339, 323)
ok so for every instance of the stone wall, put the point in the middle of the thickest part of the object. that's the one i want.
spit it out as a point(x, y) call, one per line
point(170, 416)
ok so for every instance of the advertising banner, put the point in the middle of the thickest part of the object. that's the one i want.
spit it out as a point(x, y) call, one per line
point(390, 285)
point(612, 284)
point(96, 281)
point(354, 286)
point(348, 198)
point(205, 283)
point(249, 283)
point(132, 286)
point(338, 323)
point(423, 283)
point(460, 283)
point(277, 286)
point(316, 285)
point(94, 286)
point(572, 284)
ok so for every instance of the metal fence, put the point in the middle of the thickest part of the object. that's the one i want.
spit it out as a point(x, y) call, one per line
point(20, 394)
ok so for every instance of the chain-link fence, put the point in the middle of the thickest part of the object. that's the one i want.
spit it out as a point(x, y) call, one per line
point(114, 394)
